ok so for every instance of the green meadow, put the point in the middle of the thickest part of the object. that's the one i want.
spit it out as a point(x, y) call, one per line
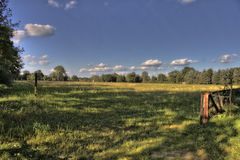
point(108, 121)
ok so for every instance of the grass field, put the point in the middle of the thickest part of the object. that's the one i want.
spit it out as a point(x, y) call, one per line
point(72, 120)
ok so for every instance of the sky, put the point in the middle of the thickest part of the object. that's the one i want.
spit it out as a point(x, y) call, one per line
point(91, 37)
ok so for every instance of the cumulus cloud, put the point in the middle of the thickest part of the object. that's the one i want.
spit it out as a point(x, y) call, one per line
point(103, 68)
point(33, 30)
point(29, 59)
point(120, 68)
point(51, 70)
point(82, 70)
point(43, 60)
point(133, 68)
point(152, 63)
point(33, 60)
point(54, 3)
point(39, 30)
point(101, 65)
point(70, 4)
point(182, 62)
point(227, 58)
point(186, 1)
point(100, 68)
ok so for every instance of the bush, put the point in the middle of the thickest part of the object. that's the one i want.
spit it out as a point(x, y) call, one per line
point(5, 77)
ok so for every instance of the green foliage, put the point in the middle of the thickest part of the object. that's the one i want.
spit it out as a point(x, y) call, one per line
point(25, 75)
point(145, 77)
point(74, 78)
point(5, 77)
point(153, 79)
point(59, 74)
point(175, 77)
point(217, 77)
point(236, 76)
point(40, 75)
point(206, 77)
point(162, 78)
point(109, 77)
point(226, 76)
point(95, 78)
point(191, 77)
point(10, 61)
point(133, 77)
point(121, 78)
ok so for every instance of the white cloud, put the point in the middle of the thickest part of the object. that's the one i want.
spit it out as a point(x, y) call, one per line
point(33, 30)
point(29, 59)
point(100, 68)
point(70, 4)
point(43, 60)
point(103, 68)
point(186, 1)
point(182, 62)
point(51, 70)
point(133, 68)
point(144, 68)
point(120, 68)
point(39, 30)
point(152, 63)
point(227, 58)
point(82, 70)
point(54, 3)
point(101, 65)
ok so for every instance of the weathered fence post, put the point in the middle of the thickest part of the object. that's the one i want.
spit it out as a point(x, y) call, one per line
point(204, 115)
point(35, 84)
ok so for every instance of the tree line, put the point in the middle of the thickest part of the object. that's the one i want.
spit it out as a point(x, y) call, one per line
point(187, 75)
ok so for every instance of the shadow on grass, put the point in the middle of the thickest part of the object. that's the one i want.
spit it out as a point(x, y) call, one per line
point(94, 122)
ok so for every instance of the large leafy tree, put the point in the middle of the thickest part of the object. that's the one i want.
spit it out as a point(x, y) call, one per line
point(191, 77)
point(175, 77)
point(74, 78)
point(145, 77)
point(40, 75)
point(216, 77)
point(227, 76)
point(59, 74)
point(10, 61)
point(133, 77)
point(25, 75)
point(206, 77)
point(162, 78)
point(236, 76)
point(109, 78)
point(121, 78)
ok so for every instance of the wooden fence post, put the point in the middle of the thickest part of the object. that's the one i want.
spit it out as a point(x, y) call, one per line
point(35, 84)
point(204, 106)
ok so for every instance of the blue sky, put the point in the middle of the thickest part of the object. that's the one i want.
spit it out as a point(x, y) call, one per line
point(102, 36)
